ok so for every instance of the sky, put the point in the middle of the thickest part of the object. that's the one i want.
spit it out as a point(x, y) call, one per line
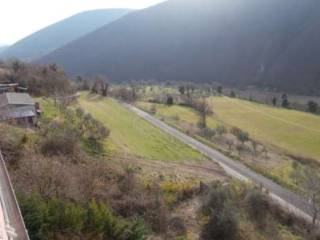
point(19, 18)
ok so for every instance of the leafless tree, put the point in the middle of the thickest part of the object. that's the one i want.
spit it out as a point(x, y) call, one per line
point(204, 108)
point(254, 147)
point(309, 181)
point(101, 86)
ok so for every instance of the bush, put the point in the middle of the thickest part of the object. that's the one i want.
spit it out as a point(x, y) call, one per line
point(177, 227)
point(169, 100)
point(215, 200)
point(313, 106)
point(45, 219)
point(75, 126)
point(221, 129)
point(61, 143)
point(232, 94)
point(235, 131)
point(208, 133)
point(257, 206)
point(222, 226)
point(11, 142)
point(241, 135)
point(153, 109)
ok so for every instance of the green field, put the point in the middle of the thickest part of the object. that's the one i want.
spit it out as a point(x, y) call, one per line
point(174, 112)
point(293, 131)
point(131, 135)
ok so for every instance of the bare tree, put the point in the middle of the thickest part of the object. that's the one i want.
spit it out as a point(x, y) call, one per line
point(204, 108)
point(254, 148)
point(100, 86)
point(309, 181)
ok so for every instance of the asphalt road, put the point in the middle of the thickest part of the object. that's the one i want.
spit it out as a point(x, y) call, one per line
point(283, 196)
point(10, 206)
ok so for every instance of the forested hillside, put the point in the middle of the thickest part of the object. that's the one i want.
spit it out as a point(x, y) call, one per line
point(268, 43)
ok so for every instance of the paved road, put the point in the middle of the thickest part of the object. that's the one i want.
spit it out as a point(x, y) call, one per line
point(10, 212)
point(283, 196)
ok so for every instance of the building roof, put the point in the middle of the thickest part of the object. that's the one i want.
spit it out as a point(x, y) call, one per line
point(12, 98)
point(19, 112)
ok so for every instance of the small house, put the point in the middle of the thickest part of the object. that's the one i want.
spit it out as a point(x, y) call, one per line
point(18, 107)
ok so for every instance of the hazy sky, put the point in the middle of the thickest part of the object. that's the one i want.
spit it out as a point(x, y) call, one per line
point(19, 18)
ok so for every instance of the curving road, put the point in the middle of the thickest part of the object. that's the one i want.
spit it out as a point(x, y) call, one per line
point(283, 196)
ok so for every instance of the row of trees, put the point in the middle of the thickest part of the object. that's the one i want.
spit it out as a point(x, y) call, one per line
point(39, 80)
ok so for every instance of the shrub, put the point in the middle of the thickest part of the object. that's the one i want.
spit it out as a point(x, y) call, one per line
point(232, 94)
point(208, 133)
point(175, 192)
point(32, 209)
point(222, 226)
point(215, 200)
point(257, 205)
point(243, 137)
point(175, 118)
point(221, 129)
point(65, 143)
point(153, 109)
point(169, 100)
point(235, 131)
point(313, 106)
point(45, 219)
point(177, 226)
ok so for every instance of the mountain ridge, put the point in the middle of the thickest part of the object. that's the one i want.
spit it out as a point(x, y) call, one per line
point(60, 33)
point(245, 42)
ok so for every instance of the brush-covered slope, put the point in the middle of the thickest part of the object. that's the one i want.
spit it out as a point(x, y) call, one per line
point(244, 42)
point(52, 37)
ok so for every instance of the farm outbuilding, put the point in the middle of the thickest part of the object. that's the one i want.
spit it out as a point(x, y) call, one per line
point(18, 107)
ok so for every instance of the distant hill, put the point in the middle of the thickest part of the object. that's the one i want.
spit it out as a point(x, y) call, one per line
point(61, 33)
point(269, 43)
point(3, 47)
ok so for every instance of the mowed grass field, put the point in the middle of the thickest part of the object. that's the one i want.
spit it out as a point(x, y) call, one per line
point(131, 135)
point(295, 132)
point(184, 114)
point(292, 131)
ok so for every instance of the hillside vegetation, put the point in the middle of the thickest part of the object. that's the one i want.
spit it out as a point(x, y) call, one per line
point(268, 43)
point(76, 183)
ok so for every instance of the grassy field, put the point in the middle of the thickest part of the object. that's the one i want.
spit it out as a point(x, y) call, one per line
point(293, 131)
point(174, 112)
point(133, 136)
